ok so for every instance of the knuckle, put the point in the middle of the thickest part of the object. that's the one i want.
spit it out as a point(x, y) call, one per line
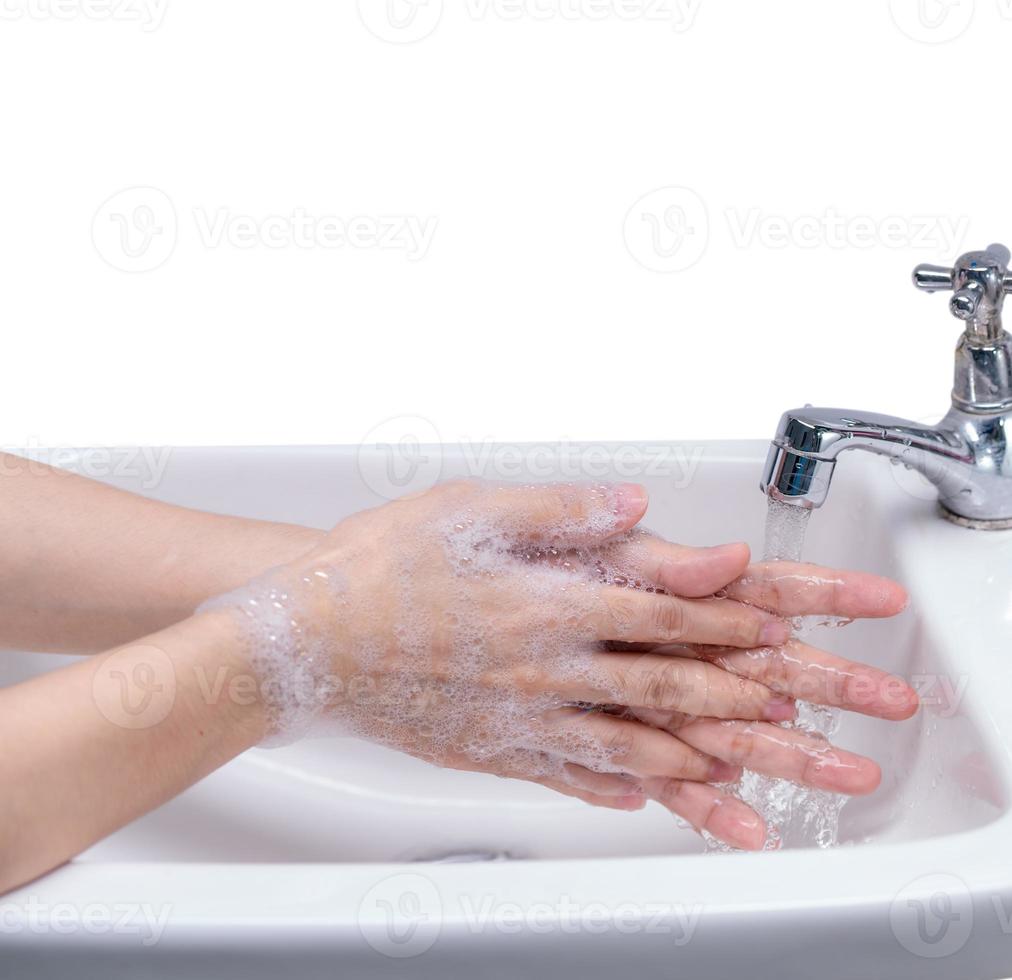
point(619, 740)
point(543, 506)
point(750, 698)
point(622, 611)
point(776, 671)
point(663, 687)
point(777, 594)
point(527, 679)
point(555, 504)
point(673, 721)
point(746, 627)
point(670, 793)
point(668, 620)
point(741, 748)
point(696, 766)
point(572, 502)
point(810, 768)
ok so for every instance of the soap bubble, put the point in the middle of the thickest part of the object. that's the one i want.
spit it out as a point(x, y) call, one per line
point(486, 609)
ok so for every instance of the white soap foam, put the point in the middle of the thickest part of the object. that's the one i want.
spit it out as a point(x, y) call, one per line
point(485, 610)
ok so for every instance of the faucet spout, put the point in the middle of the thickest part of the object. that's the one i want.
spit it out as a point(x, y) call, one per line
point(964, 456)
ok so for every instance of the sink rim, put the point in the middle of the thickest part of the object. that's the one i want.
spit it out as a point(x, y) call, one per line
point(206, 895)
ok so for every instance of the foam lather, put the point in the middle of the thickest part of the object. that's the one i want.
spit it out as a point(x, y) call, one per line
point(442, 637)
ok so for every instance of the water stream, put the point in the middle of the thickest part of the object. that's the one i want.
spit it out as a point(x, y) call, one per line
point(796, 816)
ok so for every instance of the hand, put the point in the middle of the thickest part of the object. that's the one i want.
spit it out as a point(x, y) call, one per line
point(796, 670)
point(472, 625)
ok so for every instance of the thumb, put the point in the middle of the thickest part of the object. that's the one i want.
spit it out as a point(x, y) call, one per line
point(686, 571)
point(570, 513)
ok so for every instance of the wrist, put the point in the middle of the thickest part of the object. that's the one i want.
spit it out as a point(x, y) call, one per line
point(219, 694)
point(286, 643)
point(220, 554)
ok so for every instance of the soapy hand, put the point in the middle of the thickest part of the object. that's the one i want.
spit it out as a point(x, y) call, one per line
point(533, 632)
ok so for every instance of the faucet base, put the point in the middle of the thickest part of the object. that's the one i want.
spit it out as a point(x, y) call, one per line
point(976, 524)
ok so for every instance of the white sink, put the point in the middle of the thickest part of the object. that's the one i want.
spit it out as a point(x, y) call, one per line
point(315, 860)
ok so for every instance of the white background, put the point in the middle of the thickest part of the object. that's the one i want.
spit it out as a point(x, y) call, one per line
point(817, 150)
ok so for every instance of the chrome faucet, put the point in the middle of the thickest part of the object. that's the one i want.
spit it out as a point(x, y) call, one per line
point(966, 455)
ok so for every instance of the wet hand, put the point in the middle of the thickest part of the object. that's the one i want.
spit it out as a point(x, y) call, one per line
point(795, 670)
point(479, 627)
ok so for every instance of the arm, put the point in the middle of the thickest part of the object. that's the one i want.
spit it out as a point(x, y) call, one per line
point(85, 566)
point(476, 627)
point(92, 746)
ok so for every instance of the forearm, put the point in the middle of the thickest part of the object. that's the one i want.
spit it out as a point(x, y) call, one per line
point(85, 566)
point(92, 746)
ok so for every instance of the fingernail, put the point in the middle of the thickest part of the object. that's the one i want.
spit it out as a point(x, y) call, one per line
point(630, 499)
point(723, 772)
point(779, 709)
point(633, 801)
point(774, 633)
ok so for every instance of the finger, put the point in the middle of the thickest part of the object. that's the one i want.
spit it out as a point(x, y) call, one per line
point(710, 809)
point(601, 783)
point(574, 513)
point(633, 616)
point(668, 721)
point(676, 568)
point(805, 673)
point(619, 791)
point(795, 589)
point(606, 740)
point(635, 801)
point(681, 684)
point(784, 753)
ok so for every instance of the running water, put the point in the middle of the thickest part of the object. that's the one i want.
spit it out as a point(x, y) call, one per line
point(796, 816)
point(785, 531)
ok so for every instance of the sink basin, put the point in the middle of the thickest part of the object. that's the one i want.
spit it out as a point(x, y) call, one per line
point(336, 857)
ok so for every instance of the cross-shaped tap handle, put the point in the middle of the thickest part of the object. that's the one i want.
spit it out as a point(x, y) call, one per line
point(979, 282)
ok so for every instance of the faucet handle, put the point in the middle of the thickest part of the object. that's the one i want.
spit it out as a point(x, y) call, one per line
point(979, 281)
point(933, 278)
